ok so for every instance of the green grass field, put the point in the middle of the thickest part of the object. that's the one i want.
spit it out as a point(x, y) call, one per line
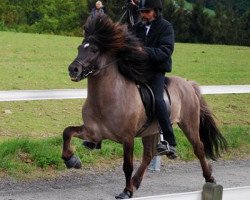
point(30, 131)
point(33, 61)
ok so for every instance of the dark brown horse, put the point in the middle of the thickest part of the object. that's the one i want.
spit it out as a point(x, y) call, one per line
point(113, 61)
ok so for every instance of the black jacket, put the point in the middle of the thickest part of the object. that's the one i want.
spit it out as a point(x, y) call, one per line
point(159, 43)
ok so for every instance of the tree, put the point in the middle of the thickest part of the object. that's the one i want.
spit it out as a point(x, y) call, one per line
point(245, 29)
point(181, 23)
point(169, 8)
point(200, 25)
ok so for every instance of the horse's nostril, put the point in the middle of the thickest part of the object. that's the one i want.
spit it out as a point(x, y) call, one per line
point(76, 70)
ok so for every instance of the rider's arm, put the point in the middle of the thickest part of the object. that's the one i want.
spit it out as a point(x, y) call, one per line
point(165, 46)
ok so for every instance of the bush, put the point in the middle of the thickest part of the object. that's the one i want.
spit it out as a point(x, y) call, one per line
point(227, 26)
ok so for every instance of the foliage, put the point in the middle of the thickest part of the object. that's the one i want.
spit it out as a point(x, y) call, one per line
point(228, 24)
point(44, 16)
point(240, 6)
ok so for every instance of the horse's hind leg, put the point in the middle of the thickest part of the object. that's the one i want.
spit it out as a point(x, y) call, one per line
point(205, 165)
point(67, 154)
point(149, 144)
point(191, 130)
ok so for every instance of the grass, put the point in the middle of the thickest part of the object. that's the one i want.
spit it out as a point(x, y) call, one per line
point(30, 131)
point(33, 61)
point(38, 119)
point(23, 155)
point(212, 64)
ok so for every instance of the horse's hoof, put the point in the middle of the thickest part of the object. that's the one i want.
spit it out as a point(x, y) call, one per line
point(124, 195)
point(73, 162)
point(211, 180)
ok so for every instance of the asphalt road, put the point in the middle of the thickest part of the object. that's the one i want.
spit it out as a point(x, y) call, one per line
point(174, 177)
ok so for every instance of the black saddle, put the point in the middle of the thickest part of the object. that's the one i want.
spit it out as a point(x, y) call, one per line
point(148, 100)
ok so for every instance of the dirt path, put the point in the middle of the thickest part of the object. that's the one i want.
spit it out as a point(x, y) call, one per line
point(174, 177)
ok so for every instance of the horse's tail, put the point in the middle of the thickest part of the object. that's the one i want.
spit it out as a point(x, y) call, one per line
point(210, 135)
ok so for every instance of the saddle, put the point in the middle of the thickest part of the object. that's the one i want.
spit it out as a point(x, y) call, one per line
point(148, 100)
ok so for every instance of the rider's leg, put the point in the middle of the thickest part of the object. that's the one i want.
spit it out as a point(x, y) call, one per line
point(168, 145)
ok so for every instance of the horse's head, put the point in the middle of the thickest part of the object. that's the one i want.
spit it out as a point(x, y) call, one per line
point(106, 42)
point(85, 64)
point(101, 37)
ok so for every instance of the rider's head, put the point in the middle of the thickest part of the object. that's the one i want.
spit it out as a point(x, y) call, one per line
point(149, 9)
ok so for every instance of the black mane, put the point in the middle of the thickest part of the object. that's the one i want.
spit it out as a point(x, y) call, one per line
point(115, 40)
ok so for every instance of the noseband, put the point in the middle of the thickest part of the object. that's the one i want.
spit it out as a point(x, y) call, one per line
point(91, 69)
point(86, 71)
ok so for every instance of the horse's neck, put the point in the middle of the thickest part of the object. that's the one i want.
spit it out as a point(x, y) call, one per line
point(108, 84)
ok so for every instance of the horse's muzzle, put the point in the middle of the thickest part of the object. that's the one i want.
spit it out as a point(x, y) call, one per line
point(78, 72)
point(75, 71)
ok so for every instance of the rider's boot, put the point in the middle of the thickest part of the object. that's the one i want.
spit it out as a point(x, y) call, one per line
point(163, 148)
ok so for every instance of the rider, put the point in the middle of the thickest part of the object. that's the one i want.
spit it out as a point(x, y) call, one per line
point(157, 35)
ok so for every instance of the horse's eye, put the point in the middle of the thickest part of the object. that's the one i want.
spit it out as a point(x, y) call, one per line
point(95, 50)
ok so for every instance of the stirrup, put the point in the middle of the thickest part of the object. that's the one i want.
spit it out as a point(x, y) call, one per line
point(163, 148)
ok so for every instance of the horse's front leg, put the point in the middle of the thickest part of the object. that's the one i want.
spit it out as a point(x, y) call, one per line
point(128, 149)
point(70, 160)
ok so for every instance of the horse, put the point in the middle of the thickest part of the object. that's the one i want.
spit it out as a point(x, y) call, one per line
point(114, 63)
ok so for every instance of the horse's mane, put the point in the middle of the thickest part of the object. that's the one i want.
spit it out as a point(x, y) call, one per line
point(116, 40)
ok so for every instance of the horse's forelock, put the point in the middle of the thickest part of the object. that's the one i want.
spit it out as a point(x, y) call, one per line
point(104, 33)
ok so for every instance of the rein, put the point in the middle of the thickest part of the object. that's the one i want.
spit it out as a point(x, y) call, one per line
point(107, 65)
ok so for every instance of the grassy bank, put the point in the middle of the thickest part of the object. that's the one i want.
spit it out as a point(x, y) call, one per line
point(32, 158)
point(30, 131)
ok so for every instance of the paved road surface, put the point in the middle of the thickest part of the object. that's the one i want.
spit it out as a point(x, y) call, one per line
point(174, 177)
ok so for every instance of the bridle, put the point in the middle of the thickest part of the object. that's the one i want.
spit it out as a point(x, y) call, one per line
point(91, 69)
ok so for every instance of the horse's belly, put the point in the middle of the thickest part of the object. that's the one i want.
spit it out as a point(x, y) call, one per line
point(151, 130)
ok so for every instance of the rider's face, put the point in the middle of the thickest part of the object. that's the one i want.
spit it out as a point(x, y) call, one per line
point(147, 15)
